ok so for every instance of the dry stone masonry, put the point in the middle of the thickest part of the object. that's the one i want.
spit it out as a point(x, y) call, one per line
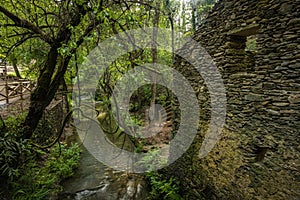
point(256, 47)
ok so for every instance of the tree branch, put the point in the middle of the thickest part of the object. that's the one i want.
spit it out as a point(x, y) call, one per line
point(26, 24)
point(18, 43)
point(46, 17)
point(60, 73)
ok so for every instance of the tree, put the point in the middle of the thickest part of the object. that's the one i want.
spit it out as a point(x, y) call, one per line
point(58, 34)
point(193, 12)
point(62, 26)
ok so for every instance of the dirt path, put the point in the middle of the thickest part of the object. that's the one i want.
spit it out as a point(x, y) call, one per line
point(16, 106)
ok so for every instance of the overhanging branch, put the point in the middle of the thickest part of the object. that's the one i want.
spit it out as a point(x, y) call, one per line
point(25, 24)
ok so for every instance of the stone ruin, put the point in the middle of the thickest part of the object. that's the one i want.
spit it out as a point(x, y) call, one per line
point(256, 47)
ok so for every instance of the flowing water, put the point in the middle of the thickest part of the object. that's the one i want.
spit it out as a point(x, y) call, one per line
point(95, 181)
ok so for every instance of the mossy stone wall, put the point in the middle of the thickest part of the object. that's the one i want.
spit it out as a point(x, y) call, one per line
point(257, 156)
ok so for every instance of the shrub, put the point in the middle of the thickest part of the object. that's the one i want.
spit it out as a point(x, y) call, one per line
point(28, 172)
point(41, 179)
point(162, 188)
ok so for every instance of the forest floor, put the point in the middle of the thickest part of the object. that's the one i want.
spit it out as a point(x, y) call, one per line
point(157, 136)
point(15, 108)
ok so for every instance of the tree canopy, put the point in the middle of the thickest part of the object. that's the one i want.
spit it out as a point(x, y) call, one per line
point(49, 38)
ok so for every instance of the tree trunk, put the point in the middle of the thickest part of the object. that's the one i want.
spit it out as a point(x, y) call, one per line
point(39, 99)
point(14, 63)
point(49, 78)
point(194, 16)
point(47, 86)
point(154, 60)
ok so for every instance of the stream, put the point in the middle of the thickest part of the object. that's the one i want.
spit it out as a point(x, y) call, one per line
point(95, 181)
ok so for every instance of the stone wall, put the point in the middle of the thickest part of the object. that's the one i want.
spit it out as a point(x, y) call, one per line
point(52, 120)
point(258, 154)
point(56, 113)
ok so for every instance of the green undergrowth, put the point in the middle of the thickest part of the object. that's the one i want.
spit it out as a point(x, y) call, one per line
point(161, 187)
point(28, 172)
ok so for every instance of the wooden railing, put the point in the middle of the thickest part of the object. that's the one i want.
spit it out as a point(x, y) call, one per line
point(15, 90)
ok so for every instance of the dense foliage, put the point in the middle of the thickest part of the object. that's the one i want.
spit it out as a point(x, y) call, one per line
point(28, 172)
point(47, 41)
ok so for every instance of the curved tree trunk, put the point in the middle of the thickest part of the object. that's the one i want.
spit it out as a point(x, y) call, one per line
point(53, 72)
point(39, 99)
point(45, 91)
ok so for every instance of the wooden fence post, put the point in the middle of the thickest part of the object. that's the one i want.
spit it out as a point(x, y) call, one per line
point(21, 88)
